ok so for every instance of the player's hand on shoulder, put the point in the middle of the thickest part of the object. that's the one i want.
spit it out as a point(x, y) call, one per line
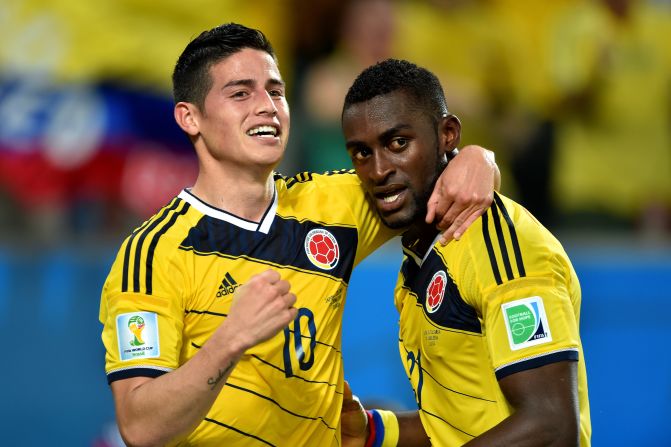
point(262, 307)
point(463, 192)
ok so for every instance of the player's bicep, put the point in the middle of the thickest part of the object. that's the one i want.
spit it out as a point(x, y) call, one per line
point(127, 404)
point(549, 388)
point(545, 402)
point(121, 389)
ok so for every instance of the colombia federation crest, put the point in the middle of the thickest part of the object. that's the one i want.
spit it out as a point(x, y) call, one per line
point(322, 249)
point(436, 291)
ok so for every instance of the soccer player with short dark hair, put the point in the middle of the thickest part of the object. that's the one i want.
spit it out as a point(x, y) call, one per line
point(489, 324)
point(222, 313)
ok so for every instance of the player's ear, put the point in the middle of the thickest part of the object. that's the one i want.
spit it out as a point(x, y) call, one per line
point(449, 132)
point(186, 115)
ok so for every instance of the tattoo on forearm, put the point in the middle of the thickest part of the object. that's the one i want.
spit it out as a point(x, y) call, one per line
point(213, 381)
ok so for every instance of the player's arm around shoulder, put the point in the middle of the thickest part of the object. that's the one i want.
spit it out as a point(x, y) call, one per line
point(165, 409)
point(463, 191)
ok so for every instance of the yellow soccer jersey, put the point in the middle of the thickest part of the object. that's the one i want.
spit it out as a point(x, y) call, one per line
point(503, 299)
point(172, 284)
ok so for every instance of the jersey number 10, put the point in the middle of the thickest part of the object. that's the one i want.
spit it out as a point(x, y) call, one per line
point(297, 345)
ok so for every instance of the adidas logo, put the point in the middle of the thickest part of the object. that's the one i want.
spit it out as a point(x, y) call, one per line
point(227, 286)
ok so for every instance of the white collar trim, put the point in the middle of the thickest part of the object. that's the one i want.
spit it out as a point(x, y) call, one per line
point(416, 258)
point(208, 210)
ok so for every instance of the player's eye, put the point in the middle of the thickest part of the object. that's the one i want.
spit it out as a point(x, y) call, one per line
point(359, 153)
point(240, 94)
point(398, 143)
point(276, 92)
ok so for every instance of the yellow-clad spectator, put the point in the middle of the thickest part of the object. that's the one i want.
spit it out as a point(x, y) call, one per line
point(492, 57)
point(614, 140)
point(133, 40)
point(365, 36)
point(458, 40)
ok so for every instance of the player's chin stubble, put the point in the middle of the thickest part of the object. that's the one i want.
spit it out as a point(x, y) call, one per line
point(414, 211)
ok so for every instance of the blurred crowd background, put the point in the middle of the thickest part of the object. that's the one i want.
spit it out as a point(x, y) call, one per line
point(573, 96)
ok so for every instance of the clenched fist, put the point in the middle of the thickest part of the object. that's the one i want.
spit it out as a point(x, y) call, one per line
point(260, 309)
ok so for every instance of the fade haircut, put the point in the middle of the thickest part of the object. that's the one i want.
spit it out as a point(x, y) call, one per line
point(393, 74)
point(191, 78)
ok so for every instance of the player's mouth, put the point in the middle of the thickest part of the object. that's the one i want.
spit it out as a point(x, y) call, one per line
point(265, 132)
point(390, 200)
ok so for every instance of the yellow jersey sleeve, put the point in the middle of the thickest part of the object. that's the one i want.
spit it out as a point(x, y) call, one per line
point(523, 287)
point(142, 305)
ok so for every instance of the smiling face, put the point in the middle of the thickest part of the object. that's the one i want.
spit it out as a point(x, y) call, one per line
point(398, 152)
point(245, 116)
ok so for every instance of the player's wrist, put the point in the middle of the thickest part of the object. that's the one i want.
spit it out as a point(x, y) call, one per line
point(382, 428)
point(229, 342)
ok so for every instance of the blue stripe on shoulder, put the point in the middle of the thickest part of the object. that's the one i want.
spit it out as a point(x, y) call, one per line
point(570, 355)
point(134, 372)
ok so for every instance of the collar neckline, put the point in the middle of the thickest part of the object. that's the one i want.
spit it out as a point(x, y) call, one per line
point(263, 226)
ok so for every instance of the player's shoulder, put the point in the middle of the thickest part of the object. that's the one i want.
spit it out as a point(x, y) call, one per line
point(506, 220)
point(333, 198)
point(507, 242)
point(170, 221)
point(313, 181)
point(160, 233)
point(151, 252)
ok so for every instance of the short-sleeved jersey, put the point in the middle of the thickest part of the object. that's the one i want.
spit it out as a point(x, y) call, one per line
point(501, 300)
point(173, 280)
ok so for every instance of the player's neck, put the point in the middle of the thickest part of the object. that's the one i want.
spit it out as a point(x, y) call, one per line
point(419, 237)
point(246, 196)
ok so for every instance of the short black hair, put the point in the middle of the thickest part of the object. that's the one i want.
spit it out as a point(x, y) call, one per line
point(396, 74)
point(191, 78)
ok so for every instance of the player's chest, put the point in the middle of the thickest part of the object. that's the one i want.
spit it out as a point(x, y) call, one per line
point(428, 296)
point(218, 279)
point(216, 246)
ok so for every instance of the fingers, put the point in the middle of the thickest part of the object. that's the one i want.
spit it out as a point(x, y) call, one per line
point(462, 191)
point(441, 200)
point(460, 224)
point(448, 217)
point(350, 401)
point(272, 276)
point(282, 286)
point(289, 301)
point(451, 232)
point(353, 419)
point(467, 223)
point(292, 313)
point(464, 210)
point(434, 200)
point(262, 307)
point(347, 391)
